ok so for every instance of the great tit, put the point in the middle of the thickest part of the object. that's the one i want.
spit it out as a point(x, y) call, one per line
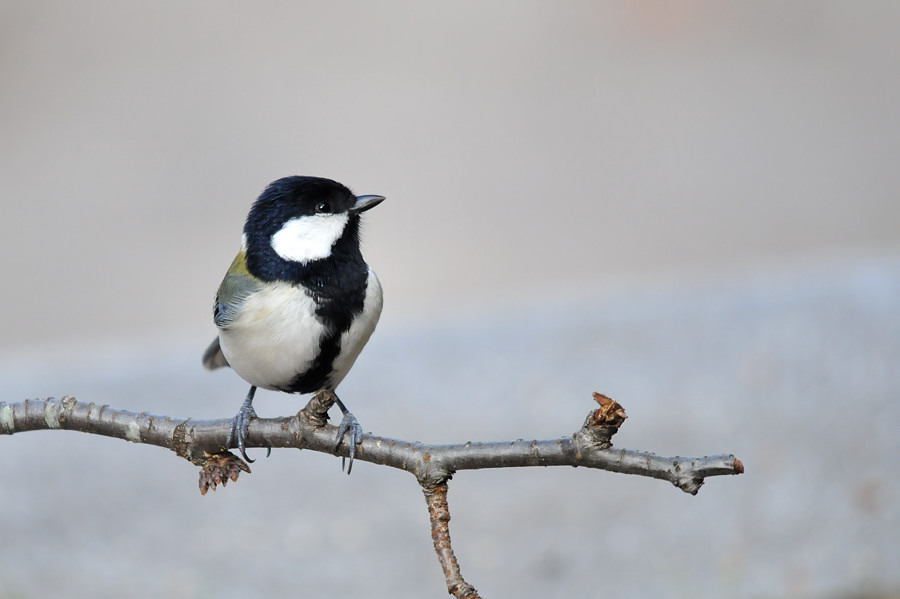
point(298, 303)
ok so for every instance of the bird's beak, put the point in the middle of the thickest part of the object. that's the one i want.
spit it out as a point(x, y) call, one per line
point(363, 203)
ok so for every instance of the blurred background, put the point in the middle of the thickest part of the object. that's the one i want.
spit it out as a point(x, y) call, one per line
point(690, 206)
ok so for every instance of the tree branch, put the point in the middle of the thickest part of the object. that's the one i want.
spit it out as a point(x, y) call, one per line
point(439, 514)
point(205, 443)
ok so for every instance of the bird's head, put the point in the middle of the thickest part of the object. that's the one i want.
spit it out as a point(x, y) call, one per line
point(298, 220)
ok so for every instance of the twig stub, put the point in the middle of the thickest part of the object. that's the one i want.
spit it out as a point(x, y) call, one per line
point(316, 410)
point(604, 422)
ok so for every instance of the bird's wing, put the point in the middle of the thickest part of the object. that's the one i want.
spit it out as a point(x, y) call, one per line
point(236, 287)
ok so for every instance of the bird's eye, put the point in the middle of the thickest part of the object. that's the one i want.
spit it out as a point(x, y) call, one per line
point(323, 207)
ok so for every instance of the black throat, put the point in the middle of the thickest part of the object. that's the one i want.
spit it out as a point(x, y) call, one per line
point(337, 283)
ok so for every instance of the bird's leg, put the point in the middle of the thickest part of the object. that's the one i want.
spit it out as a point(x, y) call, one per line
point(240, 424)
point(349, 424)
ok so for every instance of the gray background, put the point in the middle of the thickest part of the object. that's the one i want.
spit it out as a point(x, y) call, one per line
point(692, 207)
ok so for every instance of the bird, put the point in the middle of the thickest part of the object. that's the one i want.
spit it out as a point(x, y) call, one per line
point(299, 302)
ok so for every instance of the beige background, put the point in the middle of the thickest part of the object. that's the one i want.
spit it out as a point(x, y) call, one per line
point(690, 206)
point(525, 147)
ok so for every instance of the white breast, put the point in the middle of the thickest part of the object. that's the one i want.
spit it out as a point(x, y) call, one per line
point(275, 336)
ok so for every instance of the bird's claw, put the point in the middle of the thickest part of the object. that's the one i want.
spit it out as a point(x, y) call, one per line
point(240, 425)
point(349, 425)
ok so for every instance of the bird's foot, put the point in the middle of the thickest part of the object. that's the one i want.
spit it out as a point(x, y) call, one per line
point(240, 425)
point(349, 426)
point(219, 469)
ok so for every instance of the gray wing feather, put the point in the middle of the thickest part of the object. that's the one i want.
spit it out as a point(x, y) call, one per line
point(236, 287)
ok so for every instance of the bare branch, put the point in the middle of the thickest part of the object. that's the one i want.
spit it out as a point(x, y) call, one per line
point(206, 443)
point(197, 440)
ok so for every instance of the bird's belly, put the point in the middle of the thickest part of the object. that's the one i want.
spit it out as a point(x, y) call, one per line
point(276, 336)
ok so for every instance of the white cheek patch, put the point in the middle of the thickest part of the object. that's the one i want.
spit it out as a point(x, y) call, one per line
point(308, 237)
